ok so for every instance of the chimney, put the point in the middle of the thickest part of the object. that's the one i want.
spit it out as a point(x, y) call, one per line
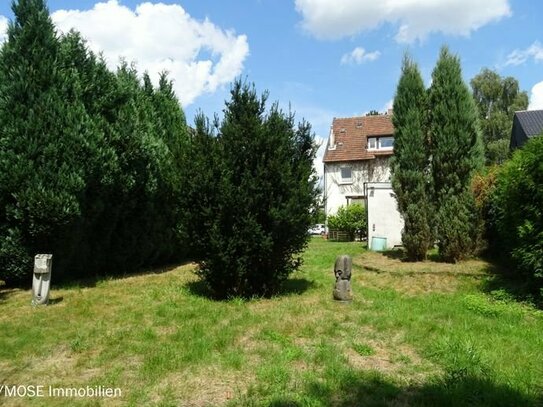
point(332, 144)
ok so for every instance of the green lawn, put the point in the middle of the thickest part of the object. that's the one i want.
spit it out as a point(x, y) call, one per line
point(429, 334)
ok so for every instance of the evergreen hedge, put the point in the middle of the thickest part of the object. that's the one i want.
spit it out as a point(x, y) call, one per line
point(91, 161)
point(516, 213)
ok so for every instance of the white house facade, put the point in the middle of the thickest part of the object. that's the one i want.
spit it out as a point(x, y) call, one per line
point(358, 154)
point(344, 182)
point(385, 223)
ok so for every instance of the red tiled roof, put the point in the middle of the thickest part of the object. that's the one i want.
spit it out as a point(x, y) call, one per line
point(351, 136)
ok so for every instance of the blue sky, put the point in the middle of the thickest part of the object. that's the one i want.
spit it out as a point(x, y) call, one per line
point(327, 58)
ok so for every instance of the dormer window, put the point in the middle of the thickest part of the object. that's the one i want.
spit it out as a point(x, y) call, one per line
point(386, 143)
point(383, 143)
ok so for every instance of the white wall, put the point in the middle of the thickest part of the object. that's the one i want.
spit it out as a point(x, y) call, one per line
point(336, 193)
point(384, 220)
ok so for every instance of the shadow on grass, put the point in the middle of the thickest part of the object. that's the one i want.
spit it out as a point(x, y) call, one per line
point(373, 389)
point(507, 284)
point(55, 300)
point(93, 281)
point(296, 286)
point(65, 282)
point(395, 254)
point(400, 254)
point(293, 286)
point(4, 294)
point(199, 288)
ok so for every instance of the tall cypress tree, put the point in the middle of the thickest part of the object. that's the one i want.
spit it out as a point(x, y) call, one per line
point(44, 132)
point(410, 176)
point(95, 87)
point(143, 160)
point(171, 130)
point(456, 153)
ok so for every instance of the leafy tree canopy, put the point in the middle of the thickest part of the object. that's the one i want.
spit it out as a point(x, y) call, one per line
point(497, 98)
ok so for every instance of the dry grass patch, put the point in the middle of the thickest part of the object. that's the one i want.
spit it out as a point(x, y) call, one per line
point(397, 360)
point(204, 387)
point(388, 271)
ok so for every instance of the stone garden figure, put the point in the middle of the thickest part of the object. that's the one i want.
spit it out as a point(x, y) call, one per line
point(342, 270)
point(41, 279)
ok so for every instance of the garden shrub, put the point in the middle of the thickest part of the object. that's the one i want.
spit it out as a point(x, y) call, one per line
point(251, 190)
point(351, 219)
point(517, 210)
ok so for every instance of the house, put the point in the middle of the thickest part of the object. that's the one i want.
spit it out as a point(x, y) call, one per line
point(526, 124)
point(357, 170)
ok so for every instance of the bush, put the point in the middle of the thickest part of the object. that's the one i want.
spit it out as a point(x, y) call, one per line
point(351, 219)
point(517, 210)
point(483, 186)
point(251, 197)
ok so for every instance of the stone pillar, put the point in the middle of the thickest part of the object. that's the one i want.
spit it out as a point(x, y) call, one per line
point(41, 278)
point(342, 271)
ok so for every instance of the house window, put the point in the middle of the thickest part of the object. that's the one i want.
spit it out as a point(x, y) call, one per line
point(386, 143)
point(381, 143)
point(346, 175)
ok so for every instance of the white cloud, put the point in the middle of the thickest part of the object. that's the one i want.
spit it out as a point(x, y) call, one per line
point(330, 19)
point(388, 105)
point(536, 98)
point(199, 56)
point(383, 110)
point(3, 29)
point(520, 56)
point(358, 56)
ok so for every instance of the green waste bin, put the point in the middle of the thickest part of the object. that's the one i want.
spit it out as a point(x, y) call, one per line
point(378, 244)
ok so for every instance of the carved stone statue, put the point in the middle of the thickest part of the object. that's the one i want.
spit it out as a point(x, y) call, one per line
point(41, 278)
point(342, 270)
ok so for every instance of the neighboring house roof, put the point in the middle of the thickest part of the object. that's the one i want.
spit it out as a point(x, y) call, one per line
point(351, 137)
point(526, 124)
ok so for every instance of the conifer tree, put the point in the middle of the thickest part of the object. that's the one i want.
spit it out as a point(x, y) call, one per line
point(172, 131)
point(456, 153)
point(44, 132)
point(142, 156)
point(257, 224)
point(96, 87)
point(90, 161)
point(410, 168)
